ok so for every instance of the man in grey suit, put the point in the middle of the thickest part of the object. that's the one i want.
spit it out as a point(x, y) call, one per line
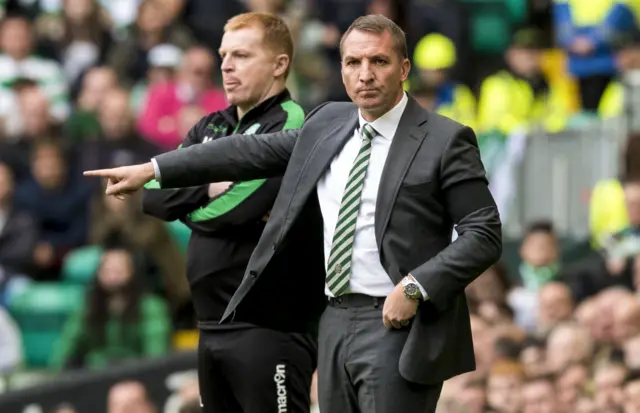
point(360, 232)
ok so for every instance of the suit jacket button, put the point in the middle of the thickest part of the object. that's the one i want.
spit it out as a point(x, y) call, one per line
point(253, 274)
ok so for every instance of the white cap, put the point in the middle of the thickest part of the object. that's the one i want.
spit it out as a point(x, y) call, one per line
point(165, 55)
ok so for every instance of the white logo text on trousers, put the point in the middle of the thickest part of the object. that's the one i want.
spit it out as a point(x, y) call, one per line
point(281, 388)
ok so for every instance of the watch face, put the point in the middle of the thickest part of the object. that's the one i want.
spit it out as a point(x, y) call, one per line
point(412, 290)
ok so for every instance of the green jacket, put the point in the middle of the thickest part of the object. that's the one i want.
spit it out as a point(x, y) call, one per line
point(148, 338)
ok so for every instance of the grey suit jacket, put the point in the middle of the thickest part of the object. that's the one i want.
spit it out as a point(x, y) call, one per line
point(432, 179)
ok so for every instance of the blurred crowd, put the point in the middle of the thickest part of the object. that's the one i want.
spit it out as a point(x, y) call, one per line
point(88, 84)
point(130, 396)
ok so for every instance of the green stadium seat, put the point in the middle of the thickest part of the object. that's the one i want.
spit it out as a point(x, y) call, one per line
point(517, 10)
point(41, 312)
point(80, 265)
point(180, 233)
point(490, 31)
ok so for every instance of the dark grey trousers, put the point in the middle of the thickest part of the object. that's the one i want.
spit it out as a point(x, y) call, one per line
point(358, 363)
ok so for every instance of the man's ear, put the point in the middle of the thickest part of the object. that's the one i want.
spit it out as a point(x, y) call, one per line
point(282, 64)
point(406, 68)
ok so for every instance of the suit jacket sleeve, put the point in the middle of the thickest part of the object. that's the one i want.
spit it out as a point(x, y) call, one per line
point(232, 158)
point(244, 202)
point(172, 204)
point(472, 208)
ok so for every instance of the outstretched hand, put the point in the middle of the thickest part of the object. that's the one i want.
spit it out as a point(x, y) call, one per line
point(126, 179)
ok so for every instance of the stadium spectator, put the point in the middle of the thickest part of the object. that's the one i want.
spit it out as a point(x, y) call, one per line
point(627, 58)
point(83, 124)
point(540, 264)
point(555, 305)
point(608, 379)
point(585, 32)
point(151, 237)
point(533, 357)
point(28, 124)
point(80, 35)
point(519, 96)
point(568, 344)
point(631, 390)
point(631, 349)
point(158, 120)
point(539, 396)
point(119, 144)
point(119, 321)
point(19, 62)
point(434, 58)
point(504, 385)
point(164, 61)
point(58, 199)
point(570, 384)
point(473, 397)
point(155, 24)
point(18, 235)
point(129, 396)
point(607, 208)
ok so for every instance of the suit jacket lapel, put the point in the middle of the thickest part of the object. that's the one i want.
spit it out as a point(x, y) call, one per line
point(405, 145)
point(327, 148)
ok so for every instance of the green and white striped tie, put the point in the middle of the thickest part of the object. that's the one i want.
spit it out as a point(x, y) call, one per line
point(339, 266)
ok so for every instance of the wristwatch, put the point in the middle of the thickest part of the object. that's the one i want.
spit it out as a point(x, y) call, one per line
point(411, 289)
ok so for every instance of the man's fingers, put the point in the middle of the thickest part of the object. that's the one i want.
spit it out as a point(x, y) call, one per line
point(116, 189)
point(106, 173)
point(389, 322)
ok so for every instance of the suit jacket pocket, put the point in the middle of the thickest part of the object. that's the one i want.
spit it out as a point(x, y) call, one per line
point(421, 189)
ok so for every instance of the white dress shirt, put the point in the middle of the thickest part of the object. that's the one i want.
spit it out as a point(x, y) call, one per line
point(367, 274)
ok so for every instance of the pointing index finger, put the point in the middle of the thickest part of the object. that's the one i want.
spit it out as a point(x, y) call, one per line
point(99, 172)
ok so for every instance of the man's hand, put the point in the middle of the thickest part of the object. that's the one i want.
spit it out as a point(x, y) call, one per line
point(217, 188)
point(398, 309)
point(125, 180)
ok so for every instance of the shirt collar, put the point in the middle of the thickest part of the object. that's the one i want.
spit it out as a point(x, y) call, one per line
point(387, 124)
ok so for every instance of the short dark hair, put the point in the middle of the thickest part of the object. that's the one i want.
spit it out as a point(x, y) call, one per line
point(507, 348)
point(377, 23)
point(633, 375)
point(543, 225)
point(532, 341)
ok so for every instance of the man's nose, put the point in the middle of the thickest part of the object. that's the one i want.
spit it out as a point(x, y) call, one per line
point(226, 65)
point(366, 74)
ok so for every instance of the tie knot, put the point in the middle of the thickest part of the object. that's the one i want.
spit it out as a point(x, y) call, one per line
point(368, 132)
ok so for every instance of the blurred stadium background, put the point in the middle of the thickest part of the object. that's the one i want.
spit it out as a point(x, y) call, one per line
point(552, 88)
